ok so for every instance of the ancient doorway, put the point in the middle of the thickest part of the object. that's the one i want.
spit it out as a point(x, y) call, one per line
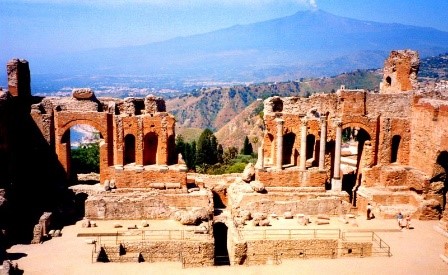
point(394, 148)
point(83, 153)
point(220, 236)
point(129, 149)
point(150, 149)
point(353, 141)
point(288, 146)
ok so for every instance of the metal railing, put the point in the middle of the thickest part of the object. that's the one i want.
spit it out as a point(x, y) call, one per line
point(138, 236)
point(289, 234)
point(379, 246)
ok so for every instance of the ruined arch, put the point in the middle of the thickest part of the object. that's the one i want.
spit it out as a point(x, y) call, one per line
point(129, 149)
point(150, 148)
point(395, 146)
point(65, 120)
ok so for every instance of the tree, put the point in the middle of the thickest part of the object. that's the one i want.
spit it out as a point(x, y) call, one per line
point(190, 155)
point(207, 148)
point(229, 154)
point(247, 147)
point(180, 146)
point(220, 153)
point(85, 159)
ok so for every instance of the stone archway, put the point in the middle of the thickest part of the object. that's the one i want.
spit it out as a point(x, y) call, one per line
point(64, 120)
point(354, 140)
point(82, 156)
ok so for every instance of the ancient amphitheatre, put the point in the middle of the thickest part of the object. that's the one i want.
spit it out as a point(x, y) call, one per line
point(323, 159)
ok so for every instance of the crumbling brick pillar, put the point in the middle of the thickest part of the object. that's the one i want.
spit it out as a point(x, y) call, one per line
point(336, 182)
point(323, 141)
point(400, 72)
point(279, 161)
point(19, 80)
point(303, 133)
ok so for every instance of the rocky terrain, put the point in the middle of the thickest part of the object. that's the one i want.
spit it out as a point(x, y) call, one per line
point(213, 107)
point(248, 123)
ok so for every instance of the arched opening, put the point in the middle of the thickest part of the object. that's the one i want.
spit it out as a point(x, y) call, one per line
point(310, 152)
point(150, 149)
point(353, 141)
point(394, 148)
point(83, 153)
point(220, 236)
point(388, 81)
point(129, 149)
point(288, 145)
point(277, 105)
point(442, 175)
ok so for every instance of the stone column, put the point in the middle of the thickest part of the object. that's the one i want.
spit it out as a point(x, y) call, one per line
point(303, 133)
point(279, 162)
point(323, 141)
point(260, 160)
point(336, 182)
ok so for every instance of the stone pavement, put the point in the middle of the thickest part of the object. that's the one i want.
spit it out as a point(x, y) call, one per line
point(414, 251)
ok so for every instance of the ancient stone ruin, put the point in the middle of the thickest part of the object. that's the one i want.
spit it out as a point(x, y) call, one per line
point(328, 155)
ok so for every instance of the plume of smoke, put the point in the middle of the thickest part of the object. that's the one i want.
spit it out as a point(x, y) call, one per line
point(313, 4)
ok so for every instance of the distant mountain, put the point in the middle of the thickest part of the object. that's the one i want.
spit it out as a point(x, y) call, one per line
point(308, 43)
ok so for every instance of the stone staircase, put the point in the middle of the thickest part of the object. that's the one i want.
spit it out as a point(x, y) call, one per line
point(388, 201)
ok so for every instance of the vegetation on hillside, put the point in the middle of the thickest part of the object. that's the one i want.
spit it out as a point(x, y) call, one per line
point(209, 157)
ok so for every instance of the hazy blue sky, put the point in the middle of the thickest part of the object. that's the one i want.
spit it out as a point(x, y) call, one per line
point(35, 27)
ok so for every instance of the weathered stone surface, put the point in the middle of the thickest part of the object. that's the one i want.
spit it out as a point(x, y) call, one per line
point(257, 186)
point(287, 215)
point(83, 93)
point(248, 173)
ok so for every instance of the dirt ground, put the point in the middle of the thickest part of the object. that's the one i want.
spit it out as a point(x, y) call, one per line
point(415, 251)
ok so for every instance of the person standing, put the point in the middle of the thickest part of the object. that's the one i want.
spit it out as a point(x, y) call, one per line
point(408, 221)
point(400, 219)
point(369, 211)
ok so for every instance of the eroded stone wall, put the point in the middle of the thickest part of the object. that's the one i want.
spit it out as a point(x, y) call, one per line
point(138, 205)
